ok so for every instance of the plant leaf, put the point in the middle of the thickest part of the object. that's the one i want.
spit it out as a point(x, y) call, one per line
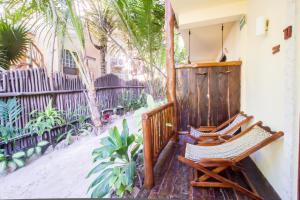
point(19, 155)
point(99, 168)
point(43, 143)
point(19, 162)
point(30, 152)
point(3, 166)
point(38, 150)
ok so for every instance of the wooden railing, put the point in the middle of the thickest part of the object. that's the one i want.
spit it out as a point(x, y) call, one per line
point(157, 130)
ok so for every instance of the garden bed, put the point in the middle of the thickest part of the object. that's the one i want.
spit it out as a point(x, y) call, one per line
point(60, 173)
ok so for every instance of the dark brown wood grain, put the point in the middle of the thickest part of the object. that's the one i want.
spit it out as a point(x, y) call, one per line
point(207, 96)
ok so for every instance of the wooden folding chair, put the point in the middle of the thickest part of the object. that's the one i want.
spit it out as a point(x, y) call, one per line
point(211, 135)
point(212, 160)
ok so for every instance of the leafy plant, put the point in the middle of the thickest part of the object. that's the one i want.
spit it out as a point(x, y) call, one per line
point(38, 149)
point(17, 160)
point(44, 121)
point(116, 168)
point(82, 127)
point(9, 113)
point(14, 42)
point(130, 103)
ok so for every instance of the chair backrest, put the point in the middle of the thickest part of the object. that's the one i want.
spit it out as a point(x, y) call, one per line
point(238, 147)
point(231, 128)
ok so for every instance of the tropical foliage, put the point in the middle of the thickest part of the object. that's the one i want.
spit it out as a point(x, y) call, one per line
point(116, 168)
point(129, 103)
point(9, 114)
point(38, 149)
point(44, 121)
point(17, 160)
point(144, 21)
point(14, 42)
point(82, 128)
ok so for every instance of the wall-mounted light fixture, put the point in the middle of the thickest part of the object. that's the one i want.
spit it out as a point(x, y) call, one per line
point(262, 25)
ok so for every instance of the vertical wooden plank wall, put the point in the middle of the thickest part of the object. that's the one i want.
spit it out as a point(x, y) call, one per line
point(207, 96)
point(32, 88)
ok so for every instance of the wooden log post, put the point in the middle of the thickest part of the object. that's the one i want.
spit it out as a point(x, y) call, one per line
point(148, 166)
point(170, 62)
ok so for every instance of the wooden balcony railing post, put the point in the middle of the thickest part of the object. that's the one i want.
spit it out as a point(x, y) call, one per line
point(148, 161)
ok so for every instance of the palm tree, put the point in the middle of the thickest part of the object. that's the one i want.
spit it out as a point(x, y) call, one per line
point(42, 16)
point(104, 26)
point(14, 42)
point(100, 24)
point(144, 22)
point(61, 14)
point(81, 61)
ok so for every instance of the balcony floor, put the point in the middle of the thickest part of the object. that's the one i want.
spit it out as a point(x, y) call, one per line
point(172, 180)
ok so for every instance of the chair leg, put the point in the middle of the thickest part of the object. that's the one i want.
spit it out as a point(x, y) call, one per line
point(216, 170)
point(222, 180)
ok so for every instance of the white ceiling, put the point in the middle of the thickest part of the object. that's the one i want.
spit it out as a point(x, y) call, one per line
point(206, 42)
point(204, 18)
point(181, 6)
point(195, 13)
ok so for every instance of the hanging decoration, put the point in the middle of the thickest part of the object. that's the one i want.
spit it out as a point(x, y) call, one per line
point(189, 56)
point(223, 56)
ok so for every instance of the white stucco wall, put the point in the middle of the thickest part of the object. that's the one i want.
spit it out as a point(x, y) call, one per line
point(269, 91)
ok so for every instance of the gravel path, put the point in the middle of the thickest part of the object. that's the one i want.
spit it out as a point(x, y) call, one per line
point(58, 174)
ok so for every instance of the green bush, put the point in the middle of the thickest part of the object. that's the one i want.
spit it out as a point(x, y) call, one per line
point(116, 168)
point(130, 103)
point(9, 113)
point(44, 121)
point(17, 160)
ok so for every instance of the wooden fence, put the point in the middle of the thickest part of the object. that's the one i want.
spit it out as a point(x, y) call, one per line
point(32, 89)
point(158, 129)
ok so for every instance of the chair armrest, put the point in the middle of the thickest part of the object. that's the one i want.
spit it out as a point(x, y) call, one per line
point(225, 137)
point(206, 128)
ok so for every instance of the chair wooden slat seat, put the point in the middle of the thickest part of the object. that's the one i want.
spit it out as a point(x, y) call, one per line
point(212, 160)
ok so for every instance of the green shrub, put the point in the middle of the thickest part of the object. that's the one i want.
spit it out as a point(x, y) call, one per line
point(15, 161)
point(38, 149)
point(9, 113)
point(44, 121)
point(14, 42)
point(116, 168)
point(129, 103)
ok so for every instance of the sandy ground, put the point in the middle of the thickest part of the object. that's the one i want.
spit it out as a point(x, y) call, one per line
point(57, 174)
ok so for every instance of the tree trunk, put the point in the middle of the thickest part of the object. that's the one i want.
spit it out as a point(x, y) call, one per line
point(92, 101)
point(53, 44)
point(170, 63)
point(103, 50)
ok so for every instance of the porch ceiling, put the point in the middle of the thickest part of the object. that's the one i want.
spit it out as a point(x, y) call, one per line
point(206, 42)
point(197, 13)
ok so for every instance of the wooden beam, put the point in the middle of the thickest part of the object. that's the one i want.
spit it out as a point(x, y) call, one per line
point(148, 163)
point(211, 64)
point(170, 62)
